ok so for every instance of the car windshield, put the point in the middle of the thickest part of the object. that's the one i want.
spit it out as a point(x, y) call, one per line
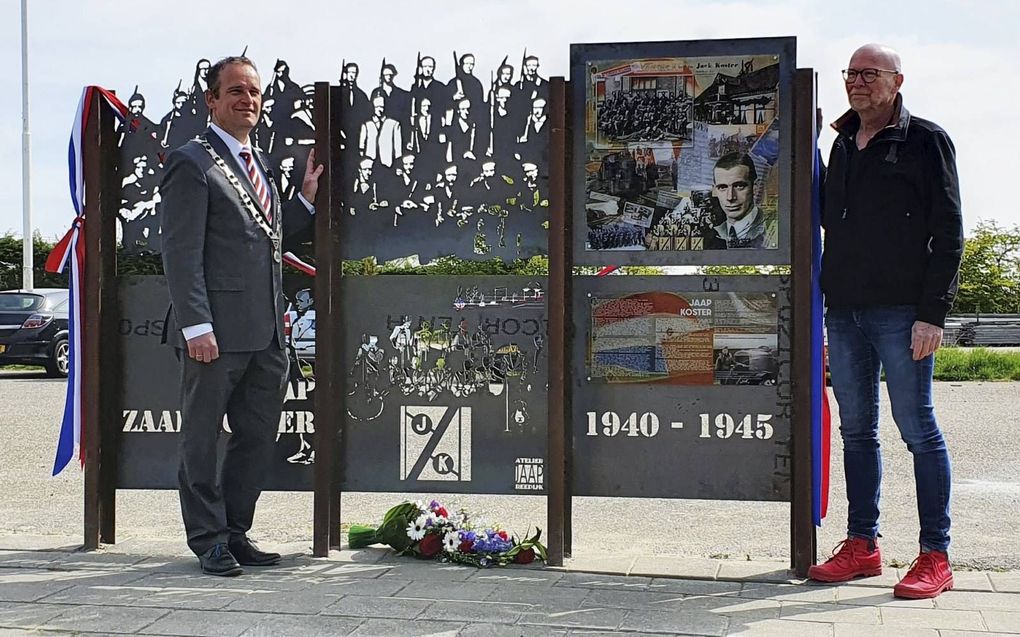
point(20, 302)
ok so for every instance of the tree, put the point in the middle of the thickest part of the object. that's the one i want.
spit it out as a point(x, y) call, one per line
point(10, 264)
point(990, 271)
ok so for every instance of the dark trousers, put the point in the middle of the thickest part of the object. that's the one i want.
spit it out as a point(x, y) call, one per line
point(247, 387)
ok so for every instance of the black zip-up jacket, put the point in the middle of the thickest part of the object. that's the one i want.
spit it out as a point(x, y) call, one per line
point(891, 212)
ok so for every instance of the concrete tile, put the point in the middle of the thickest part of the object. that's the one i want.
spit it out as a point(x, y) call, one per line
point(28, 542)
point(736, 608)
point(1001, 621)
point(406, 628)
point(788, 592)
point(779, 628)
point(153, 596)
point(873, 596)
point(590, 618)
point(755, 571)
point(972, 581)
point(267, 583)
point(859, 630)
point(632, 600)
point(964, 600)
point(504, 630)
point(585, 632)
point(694, 587)
point(448, 591)
point(610, 565)
point(29, 559)
point(148, 548)
point(383, 607)
point(1005, 582)
point(33, 584)
point(370, 555)
point(932, 618)
point(376, 587)
point(971, 633)
point(411, 569)
point(661, 566)
point(105, 618)
point(829, 613)
point(597, 581)
point(182, 565)
point(677, 622)
point(17, 615)
point(324, 568)
point(287, 625)
point(303, 602)
point(544, 599)
point(543, 578)
point(197, 623)
point(473, 611)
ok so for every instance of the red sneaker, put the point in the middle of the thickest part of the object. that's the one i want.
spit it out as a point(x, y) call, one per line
point(853, 557)
point(928, 576)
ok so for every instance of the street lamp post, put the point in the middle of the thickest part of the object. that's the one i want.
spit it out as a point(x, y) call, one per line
point(27, 279)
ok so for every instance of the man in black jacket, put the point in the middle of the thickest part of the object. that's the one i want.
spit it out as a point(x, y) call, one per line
point(893, 244)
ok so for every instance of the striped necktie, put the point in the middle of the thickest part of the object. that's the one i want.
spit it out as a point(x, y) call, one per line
point(256, 181)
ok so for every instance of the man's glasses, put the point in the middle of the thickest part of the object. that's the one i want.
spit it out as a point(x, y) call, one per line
point(869, 75)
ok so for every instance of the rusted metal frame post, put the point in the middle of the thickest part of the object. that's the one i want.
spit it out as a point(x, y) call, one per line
point(802, 530)
point(91, 312)
point(110, 363)
point(560, 328)
point(326, 277)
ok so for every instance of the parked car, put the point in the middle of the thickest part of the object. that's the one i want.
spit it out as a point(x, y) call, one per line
point(33, 329)
point(299, 325)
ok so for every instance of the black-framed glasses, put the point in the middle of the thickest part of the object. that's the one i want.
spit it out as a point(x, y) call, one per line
point(868, 75)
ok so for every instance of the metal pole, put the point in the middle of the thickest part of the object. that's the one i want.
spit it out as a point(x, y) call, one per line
point(27, 280)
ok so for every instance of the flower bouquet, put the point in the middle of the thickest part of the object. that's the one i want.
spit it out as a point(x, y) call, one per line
point(428, 531)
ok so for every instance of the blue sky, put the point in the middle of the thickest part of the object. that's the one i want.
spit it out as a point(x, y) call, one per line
point(959, 58)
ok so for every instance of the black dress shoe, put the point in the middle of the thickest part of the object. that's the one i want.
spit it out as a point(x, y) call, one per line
point(249, 555)
point(219, 561)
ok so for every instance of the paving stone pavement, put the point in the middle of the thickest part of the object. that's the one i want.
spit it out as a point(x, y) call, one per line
point(49, 587)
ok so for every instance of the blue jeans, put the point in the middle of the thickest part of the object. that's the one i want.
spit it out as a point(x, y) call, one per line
point(861, 344)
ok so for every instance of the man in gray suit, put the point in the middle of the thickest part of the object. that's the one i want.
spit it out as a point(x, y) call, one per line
point(223, 226)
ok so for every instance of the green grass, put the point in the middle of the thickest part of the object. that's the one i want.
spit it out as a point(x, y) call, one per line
point(954, 364)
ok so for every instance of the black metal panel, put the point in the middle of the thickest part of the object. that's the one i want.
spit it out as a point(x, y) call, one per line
point(159, 122)
point(660, 409)
point(448, 159)
point(150, 395)
point(446, 388)
point(654, 123)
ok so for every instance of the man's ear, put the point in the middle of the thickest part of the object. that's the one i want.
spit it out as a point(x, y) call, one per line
point(209, 97)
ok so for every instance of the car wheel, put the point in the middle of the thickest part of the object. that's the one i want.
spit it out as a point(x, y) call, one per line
point(59, 359)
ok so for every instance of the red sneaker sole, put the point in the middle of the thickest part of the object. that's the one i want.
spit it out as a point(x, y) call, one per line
point(909, 594)
point(833, 580)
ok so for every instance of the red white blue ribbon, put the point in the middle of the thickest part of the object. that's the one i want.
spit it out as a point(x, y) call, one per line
point(70, 251)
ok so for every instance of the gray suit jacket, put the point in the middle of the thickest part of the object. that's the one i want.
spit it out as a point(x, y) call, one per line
point(218, 262)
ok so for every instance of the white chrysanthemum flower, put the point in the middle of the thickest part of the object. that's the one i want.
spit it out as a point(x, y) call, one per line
point(451, 542)
point(416, 530)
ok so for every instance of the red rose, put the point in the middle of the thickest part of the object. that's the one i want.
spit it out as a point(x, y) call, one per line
point(527, 556)
point(503, 535)
point(430, 545)
point(466, 546)
point(441, 512)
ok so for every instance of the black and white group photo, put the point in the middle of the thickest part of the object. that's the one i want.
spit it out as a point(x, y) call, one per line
point(285, 133)
point(448, 154)
point(647, 109)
